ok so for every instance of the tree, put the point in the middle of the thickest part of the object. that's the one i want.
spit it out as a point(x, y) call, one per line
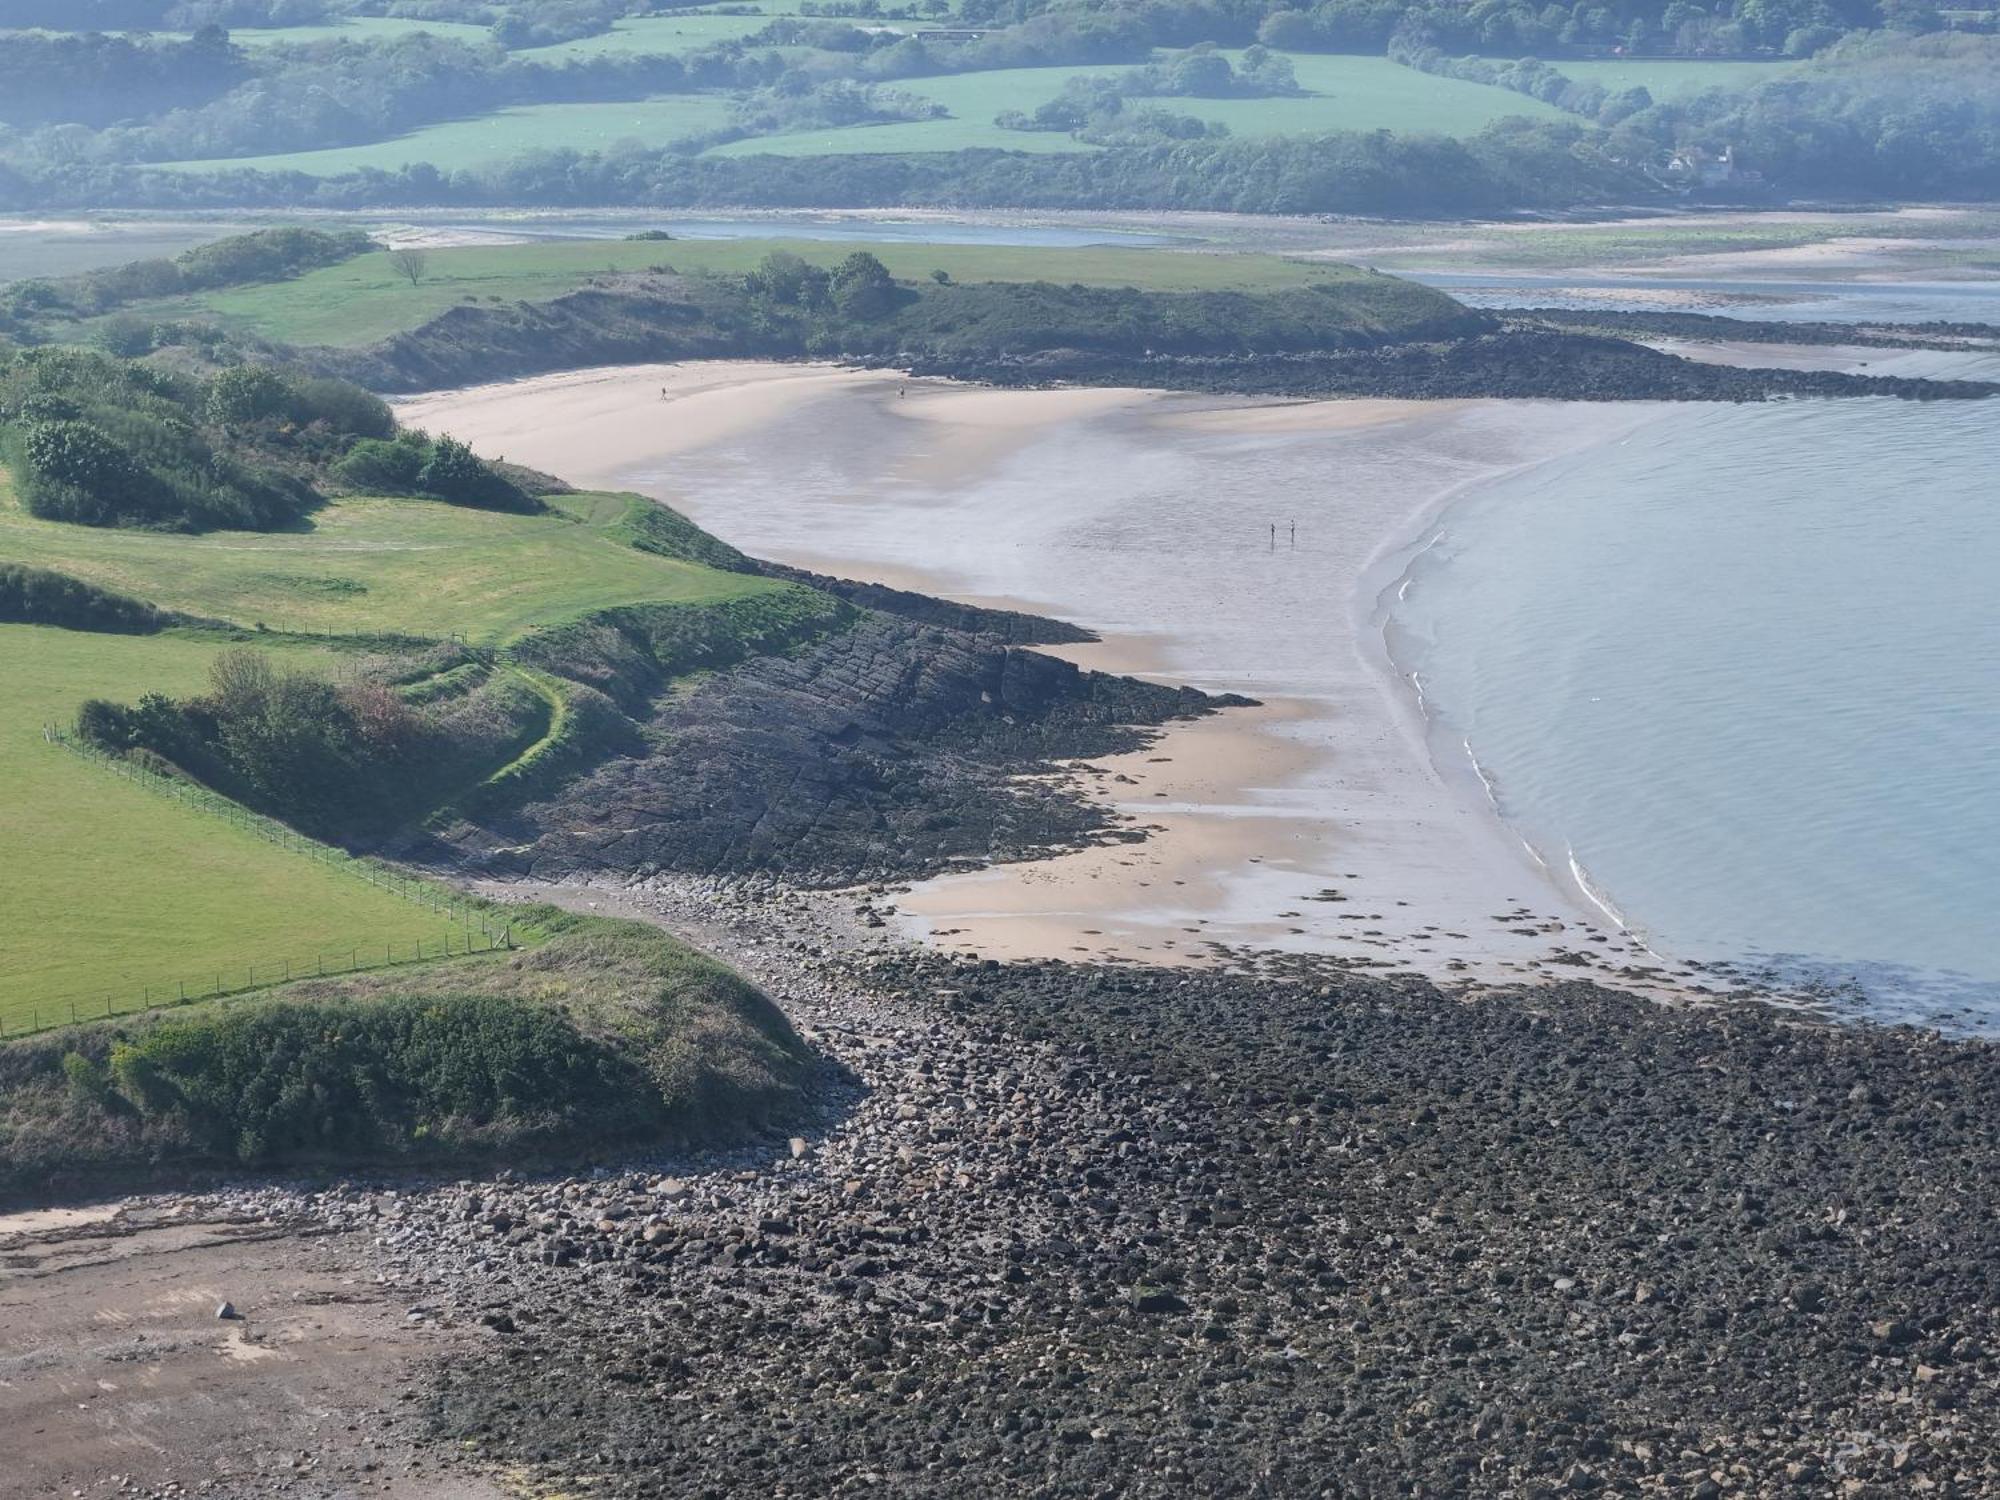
point(246, 393)
point(410, 263)
point(862, 287)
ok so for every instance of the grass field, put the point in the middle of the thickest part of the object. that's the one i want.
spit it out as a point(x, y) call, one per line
point(1346, 93)
point(409, 567)
point(110, 889)
point(361, 300)
point(458, 144)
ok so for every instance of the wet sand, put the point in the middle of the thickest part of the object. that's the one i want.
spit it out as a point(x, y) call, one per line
point(1318, 821)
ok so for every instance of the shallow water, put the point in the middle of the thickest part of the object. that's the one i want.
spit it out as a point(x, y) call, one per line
point(1743, 667)
point(1776, 301)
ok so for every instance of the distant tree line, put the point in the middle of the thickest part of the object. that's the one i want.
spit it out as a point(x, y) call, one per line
point(62, 107)
point(1514, 164)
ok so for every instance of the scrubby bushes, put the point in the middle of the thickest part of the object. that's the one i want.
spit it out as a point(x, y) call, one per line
point(607, 1033)
point(263, 255)
point(319, 1079)
point(104, 441)
point(36, 596)
point(339, 759)
point(101, 441)
point(412, 464)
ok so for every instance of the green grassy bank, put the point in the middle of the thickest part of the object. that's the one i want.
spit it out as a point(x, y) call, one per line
point(604, 1034)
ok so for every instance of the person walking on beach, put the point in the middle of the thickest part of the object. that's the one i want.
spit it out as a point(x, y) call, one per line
point(1295, 533)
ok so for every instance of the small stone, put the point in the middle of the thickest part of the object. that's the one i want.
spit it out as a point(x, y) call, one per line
point(799, 1147)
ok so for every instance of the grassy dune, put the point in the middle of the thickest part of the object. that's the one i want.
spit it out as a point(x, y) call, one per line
point(362, 300)
point(110, 889)
point(405, 567)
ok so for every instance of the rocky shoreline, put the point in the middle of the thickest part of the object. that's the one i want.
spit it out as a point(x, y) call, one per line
point(896, 747)
point(1264, 1229)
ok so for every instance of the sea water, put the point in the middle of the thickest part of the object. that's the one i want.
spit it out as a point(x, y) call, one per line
point(1737, 675)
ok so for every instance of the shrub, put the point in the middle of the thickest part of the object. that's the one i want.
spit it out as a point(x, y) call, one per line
point(248, 393)
point(127, 334)
point(74, 472)
point(344, 407)
point(454, 472)
point(375, 467)
point(89, 1082)
point(37, 596)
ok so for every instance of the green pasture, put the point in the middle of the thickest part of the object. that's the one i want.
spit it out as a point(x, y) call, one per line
point(110, 889)
point(1344, 93)
point(365, 566)
point(459, 144)
point(362, 300)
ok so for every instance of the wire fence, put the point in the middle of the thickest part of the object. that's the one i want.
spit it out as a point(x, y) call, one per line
point(470, 927)
point(244, 979)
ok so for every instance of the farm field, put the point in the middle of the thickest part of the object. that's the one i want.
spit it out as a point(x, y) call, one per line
point(1347, 93)
point(459, 144)
point(361, 300)
point(111, 889)
point(409, 567)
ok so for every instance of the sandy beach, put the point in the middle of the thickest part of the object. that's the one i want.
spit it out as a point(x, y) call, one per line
point(1236, 545)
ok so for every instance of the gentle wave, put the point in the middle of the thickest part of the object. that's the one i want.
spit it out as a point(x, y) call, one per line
point(1744, 667)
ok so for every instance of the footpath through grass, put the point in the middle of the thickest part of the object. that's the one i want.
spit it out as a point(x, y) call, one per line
point(110, 889)
point(382, 567)
point(362, 300)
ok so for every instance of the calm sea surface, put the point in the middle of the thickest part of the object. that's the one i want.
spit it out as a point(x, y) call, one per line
point(1741, 669)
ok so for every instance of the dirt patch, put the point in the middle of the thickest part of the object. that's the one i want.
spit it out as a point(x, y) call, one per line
point(117, 1376)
